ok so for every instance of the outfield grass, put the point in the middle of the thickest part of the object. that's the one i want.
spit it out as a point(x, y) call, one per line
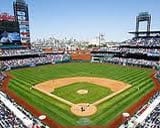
point(69, 92)
point(27, 77)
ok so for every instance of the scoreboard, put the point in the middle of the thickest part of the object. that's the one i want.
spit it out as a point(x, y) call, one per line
point(9, 30)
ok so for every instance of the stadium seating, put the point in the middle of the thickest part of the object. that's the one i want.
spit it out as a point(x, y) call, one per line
point(2, 77)
point(9, 118)
point(19, 52)
point(143, 52)
point(17, 58)
point(131, 61)
point(147, 117)
point(153, 120)
point(148, 42)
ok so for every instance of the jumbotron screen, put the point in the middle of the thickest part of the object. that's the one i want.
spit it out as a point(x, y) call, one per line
point(10, 37)
point(9, 32)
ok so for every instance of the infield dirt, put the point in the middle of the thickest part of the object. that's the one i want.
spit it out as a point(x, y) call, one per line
point(50, 85)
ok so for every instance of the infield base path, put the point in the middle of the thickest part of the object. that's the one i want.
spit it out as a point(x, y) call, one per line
point(77, 109)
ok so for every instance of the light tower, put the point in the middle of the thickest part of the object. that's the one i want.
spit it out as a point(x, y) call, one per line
point(100, 39)
point(22, 16)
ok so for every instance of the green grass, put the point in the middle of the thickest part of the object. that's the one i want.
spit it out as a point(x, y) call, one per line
point(27, 77)
point(69, 92)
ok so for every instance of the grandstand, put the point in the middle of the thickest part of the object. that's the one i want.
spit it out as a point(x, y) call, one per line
point(142, 50)
point(13, 115)
point(12, 59)
point(147, 117)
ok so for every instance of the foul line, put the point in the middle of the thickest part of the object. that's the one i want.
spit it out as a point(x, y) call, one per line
point(55, 97)
point(110, 96)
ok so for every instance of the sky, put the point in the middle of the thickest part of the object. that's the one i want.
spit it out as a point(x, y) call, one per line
point(85, 19)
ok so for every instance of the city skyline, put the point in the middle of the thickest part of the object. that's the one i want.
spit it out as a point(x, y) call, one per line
point(84, 20)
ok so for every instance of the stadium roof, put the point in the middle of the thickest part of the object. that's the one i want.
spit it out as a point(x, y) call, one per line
point(145, 32)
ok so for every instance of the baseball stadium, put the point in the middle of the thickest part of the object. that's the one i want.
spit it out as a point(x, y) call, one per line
point(59, 87)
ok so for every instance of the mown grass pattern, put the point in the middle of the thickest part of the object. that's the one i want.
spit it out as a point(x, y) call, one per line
point(25, 78)
point(69, 92)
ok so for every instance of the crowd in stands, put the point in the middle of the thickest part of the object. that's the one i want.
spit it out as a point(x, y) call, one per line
point(144, 51)
point(149, 46)
point(153, 119)
point(131, 61)
point(8, 119)
point(19, 52)
point(157, 71)
point(141, 51)
point(142, 46)
point(148, 42)
point(33, 61)
point(2, 77)
point(14, 63)
point(148, 116)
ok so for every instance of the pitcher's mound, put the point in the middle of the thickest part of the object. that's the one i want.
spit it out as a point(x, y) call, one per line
point(83, 109)
point(82, 91)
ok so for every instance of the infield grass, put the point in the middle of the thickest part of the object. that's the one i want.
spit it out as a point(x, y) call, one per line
point(95, 92)
point(28, 77)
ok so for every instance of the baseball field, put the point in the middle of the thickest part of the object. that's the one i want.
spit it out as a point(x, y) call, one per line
point(76, 94)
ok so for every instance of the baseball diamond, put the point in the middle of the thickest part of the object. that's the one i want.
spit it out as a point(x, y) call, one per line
point(43, 87)
point(68, 92)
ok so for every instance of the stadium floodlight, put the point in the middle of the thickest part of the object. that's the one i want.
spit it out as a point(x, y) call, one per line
point(101, 39)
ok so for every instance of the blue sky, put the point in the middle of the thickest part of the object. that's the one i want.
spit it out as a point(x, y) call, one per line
point(84, 19)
